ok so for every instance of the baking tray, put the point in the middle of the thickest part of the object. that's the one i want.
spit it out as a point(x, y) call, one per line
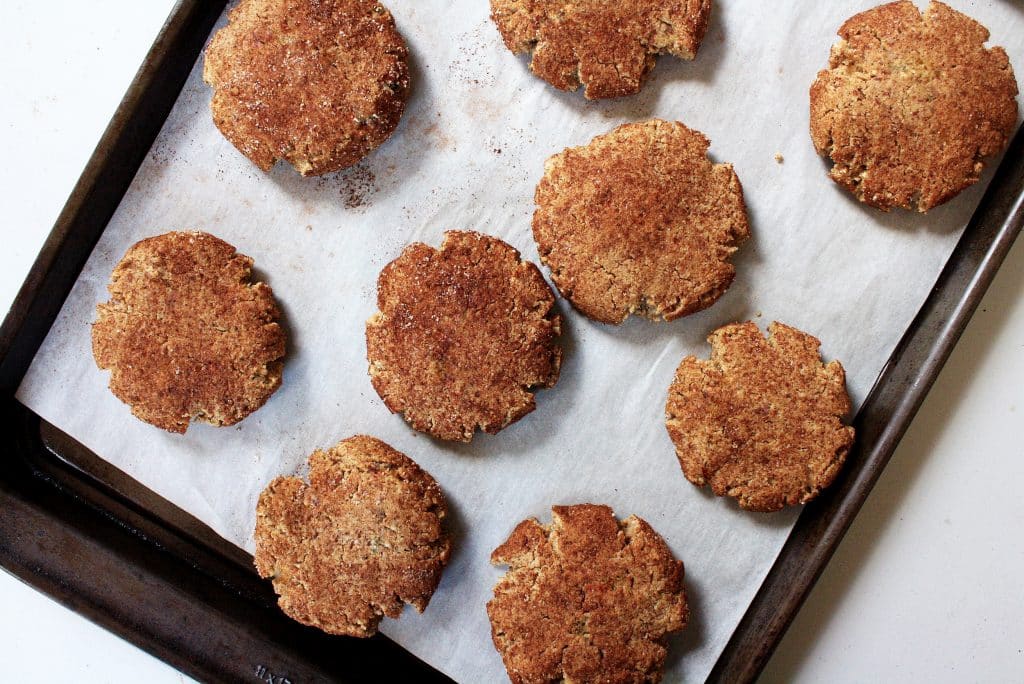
point(83, 532)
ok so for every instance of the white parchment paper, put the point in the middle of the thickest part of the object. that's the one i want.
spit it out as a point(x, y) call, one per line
point(468, 155)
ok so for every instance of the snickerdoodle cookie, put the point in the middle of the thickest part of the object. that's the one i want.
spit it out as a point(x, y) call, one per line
point(640, 221)
point(319, 84)
point(762, 419)
point(358, 542)
point(586, 599)
point(464, 335)
point(911, 105)
point(608, 47)
point(186, 334)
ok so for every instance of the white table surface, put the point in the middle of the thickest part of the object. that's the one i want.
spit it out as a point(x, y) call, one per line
point(928, 585)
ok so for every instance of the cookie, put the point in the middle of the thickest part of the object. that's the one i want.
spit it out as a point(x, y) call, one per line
point(586, 599)
point(762, 419)
point(361, 540)
point(186, 334)
point(320, 84)
point(640, 221)
point(911, 105)
point(608, 47)
point(464, 336)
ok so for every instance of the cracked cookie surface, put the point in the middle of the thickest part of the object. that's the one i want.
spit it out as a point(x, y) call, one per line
point(640, 221)
point(464, 335)
point(357, 543)
point(319, 84)
point(608, 47)
point(911, 105)
point(761, 420)
point(586, 599)
point(186, 334)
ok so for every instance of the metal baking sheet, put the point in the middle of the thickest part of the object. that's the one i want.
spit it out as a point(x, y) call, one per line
point(84, 219)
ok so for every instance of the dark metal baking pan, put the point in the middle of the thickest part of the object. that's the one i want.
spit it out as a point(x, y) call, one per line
point(94, 539)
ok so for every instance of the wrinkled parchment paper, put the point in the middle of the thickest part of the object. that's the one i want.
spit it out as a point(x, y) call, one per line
point(468, 154)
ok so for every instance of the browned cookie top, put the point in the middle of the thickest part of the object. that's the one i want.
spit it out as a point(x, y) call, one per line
point(186, 334)
point(318, 83)
point(361, 540)
point(608, 46)
point(761, 420)
point(586, 599)
point(463, 336)
point(640, 221)
point(911, 104)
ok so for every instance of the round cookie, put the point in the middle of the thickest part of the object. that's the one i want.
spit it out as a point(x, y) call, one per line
point(911, 104)
point(640, 221)
point(464, 335)
point(318, 84)
point(761, 420)
point(608, 47)
point(186, 334)
point(586, 599)
point(361, 540)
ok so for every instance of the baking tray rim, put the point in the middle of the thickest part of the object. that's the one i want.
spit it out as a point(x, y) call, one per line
point(891, 404)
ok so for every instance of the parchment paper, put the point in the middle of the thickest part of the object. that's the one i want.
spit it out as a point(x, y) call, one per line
point(468, 154)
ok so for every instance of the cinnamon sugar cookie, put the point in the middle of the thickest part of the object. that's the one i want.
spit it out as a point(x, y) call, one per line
point(319, 84)
point(586, 599)
point(608, 47)
point(911, 105)
point(640, 221)
point(186, 334)
point(358, 542)
point(761, 420)
point(464, 336)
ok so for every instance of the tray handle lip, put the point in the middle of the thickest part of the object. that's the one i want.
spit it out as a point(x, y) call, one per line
point(92, 550)
point(891, 405)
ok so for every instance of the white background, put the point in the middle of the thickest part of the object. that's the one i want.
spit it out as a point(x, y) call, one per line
point(925, 587)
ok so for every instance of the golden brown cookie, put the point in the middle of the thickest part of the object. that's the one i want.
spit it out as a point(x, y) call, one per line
point(186, 334)
point(608, 47)
point(761, 420)
point(318, 83)
point(361, 540)
point(464, 335)
point(586, 599)
point(911, 104)
point(640, 221)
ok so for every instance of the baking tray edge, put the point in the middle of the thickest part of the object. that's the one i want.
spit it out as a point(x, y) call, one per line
point(883, 419)
point(47, 542)
point(69, 537)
